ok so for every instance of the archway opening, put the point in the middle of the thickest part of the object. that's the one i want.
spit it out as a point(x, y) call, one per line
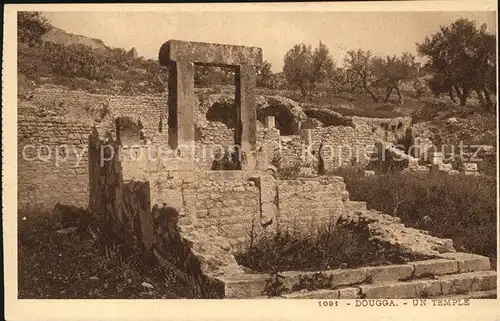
point(284, 119)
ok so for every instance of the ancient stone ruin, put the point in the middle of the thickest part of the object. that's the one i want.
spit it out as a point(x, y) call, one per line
point(194, 218)
point(180, 58)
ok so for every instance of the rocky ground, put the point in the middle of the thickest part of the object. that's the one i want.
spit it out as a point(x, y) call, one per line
point(66, 264)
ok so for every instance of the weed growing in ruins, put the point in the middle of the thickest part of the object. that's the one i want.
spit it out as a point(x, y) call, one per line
point(290, 171)
point(323, 248)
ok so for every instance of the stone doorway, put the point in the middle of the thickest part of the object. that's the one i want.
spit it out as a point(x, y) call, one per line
point(180, 57)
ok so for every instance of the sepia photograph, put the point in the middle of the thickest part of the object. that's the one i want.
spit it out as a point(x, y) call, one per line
point(280, 154)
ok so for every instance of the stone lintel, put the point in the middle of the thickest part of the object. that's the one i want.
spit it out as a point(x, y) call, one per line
point(209, 53)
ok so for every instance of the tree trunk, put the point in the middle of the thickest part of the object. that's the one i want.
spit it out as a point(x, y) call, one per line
point(462, 95)
point(452, 97)
point(481, 98)
point(400, 96)
point(388, 93)
point(374, 97)
point(491, 106)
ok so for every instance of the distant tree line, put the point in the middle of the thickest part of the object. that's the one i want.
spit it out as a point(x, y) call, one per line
point(461, 59)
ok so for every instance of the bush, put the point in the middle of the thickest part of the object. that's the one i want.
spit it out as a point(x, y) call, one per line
point(289, 172)
point(327, 247)
point(81, 67)
point(459, 207)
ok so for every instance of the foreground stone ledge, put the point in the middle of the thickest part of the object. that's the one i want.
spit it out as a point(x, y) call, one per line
point(434, 267)
point(490, 294)
point(245, 286)
point(390, 273)
point(388, 291)
point(468, 262)
point(349, 293)
point(332, 278)
point(467, 282)
point(318, 294)
point(372, 282)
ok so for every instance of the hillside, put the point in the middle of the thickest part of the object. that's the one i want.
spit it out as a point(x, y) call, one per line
point(62, 37)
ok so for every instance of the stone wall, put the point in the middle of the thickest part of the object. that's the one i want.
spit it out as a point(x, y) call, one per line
point(149, 109)
point(304, 204)
point(52, 161)
point(344, 145)
point(43, 183)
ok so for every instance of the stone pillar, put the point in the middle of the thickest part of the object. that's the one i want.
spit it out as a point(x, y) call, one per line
point(435, 158)
point(246, 123)
point(306, 137)
point(270, 122)
point(181, 118)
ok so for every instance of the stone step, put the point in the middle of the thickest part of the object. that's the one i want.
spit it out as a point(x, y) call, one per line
point(471, 285)
point(441, 285)
point(344, 293)
point(355, 205)
point(253, 285)
point(490, 294)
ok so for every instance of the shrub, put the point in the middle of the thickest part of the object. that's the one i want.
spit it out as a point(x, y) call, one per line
point(289, 172)
point(459, 207)
point(326, 247)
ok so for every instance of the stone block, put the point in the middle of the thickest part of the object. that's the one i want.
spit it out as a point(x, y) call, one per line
point(389, 291)
point(456, 284)
point(180, 105)
point(369, 173)
point(435, 154)
point(435, 160)
point(212, 53)
point(389, 273)
point(468, 262)
point(469, 167)
point(306, 137)
point(332, 278)
point(346, 277)
point(427, 288)
point(244, 286)
point(356, 205)
point(447, 167)
point(318, 294)
point(485, 280)
point(246, 135)
point(349, 293)
point(270, 122)
point(434, 267)
point(466, 282)
point(472, 173)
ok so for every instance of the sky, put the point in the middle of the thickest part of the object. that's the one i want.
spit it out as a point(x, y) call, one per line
point(384, 33)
